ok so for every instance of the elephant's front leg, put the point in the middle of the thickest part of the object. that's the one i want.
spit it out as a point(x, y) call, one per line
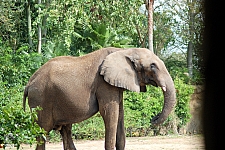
point(66, 136)
point(120, 135)
point(110, 114)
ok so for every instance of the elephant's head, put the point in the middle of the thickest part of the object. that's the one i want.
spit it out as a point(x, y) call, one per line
point(135, 68)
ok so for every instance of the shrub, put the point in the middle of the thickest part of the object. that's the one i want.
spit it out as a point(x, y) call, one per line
point(16, 67)
point(17, 126)
point(182, 109)
point(92, 128)
point(141, 107)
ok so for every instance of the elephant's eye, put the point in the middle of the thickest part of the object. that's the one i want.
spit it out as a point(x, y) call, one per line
point(152, 66)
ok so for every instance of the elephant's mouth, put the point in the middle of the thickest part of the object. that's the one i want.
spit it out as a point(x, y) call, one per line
point(152, 82)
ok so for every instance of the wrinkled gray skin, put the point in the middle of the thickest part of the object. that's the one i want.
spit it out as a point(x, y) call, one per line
point(72, 89)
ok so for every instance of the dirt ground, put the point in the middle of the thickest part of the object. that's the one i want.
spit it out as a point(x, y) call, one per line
point(178, 142)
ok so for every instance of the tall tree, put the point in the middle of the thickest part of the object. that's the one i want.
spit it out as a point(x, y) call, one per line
point(190, 48)
point(39, 28)
point(29, 23)
point(150, 23)
point(188, 14)
point(44, 22)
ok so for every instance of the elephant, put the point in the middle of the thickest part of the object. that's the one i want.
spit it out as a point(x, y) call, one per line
point(72, 89)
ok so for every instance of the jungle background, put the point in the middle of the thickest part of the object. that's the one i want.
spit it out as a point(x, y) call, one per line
point(34, 31)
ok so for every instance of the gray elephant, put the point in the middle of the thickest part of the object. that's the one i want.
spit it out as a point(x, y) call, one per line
point(72, 89)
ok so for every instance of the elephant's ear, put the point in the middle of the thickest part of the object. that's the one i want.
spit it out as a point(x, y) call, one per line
point(118, 70)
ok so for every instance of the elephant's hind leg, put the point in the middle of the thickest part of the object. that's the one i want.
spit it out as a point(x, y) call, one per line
point(67, 137)
point(41, 143)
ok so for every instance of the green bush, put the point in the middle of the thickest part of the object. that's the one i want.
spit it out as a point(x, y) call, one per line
point(182, 109)
point(140, 108)
point(92, 128)
point(16, 67)
point(17, 126)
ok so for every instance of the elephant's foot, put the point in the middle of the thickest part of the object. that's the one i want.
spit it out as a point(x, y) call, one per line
point(69, 147)
point(40, 147)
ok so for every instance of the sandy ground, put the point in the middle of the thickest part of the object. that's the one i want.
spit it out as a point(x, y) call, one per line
point(180, 142)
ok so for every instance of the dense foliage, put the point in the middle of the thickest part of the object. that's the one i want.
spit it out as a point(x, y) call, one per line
point(77, 27)
point(16, 126)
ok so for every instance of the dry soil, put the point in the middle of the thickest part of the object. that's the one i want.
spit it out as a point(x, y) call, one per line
point(179, 142)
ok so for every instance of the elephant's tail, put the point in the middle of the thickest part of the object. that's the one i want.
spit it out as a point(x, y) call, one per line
point(25, 94)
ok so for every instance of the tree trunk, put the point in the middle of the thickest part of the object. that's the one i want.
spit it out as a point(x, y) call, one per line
point(190, 49)
point(150, 24)
point(29, 24)
point(44, 23)
point(189, 59)
point(39, 30)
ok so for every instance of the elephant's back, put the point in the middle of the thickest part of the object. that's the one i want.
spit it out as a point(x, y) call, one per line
point(82, 67)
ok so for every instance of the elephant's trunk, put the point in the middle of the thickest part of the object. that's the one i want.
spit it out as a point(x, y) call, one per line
point(169, 102)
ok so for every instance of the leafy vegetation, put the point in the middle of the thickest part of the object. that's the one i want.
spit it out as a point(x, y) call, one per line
point(16, 126)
